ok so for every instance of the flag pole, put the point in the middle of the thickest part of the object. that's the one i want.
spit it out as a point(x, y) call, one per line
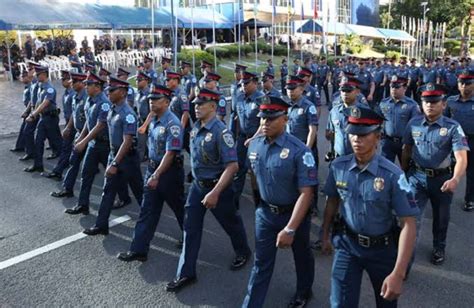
point(240, 27)
point(255, 34)
point(175, 51)
point(301, 32)
point(273, 27)
point(288, 32)
point(152, 11)
point(192, 35)
point(214, 34)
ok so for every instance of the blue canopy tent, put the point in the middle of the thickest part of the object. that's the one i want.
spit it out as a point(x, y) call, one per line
point(202, 18)
point(310, 26)
point(398, 35)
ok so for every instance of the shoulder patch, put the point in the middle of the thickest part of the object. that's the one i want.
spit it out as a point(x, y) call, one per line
point(175, 130)
point(155, 75)
point(184, 98)
point(130, 91)
point(222, 103)
point(228, 139)
point(130, 119)
point(50, 90)
point(308, 160)
point(105, 107)
point(193, 80)
point(403, 183)
point(312, 109)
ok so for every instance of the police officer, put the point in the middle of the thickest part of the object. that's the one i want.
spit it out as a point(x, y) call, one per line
point(367, 190)
point(244, 113)
point(89, 68)
point(295, 67)
point(378, 75)
point(267, 85)
point(310, 92)
point(104, 74)
point(389, 70)
point(402, 69)
point(123, 164)
point(143, 108)
point(451, 80)
point(48, 124)
point(74, 128)
point(68, 139)
point(188, 83)
point(236, 85)
point(336, 73)
point(165, 67)
point(461, 109)
point(123, 74)
point(397, 110)
point(148, 68)
point(283, 76)
point(367, 86)
point(429, 141)
point(337, 119)
point(213, 163)
point(74, 60)
point(413, 76)
point(26, 79)
point(164, 179)
point(179, 104)
point(323, 77)
point(210, 82)
point(206, 67)
point(428, 74)
point(286, 174)
point(270, 69)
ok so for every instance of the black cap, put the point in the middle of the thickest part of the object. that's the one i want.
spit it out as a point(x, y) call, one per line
point(398, 80)
point(211, 76)
point(239, 68)
point(104, 72)
point(41, 69)
point(272, 107)
point(78, 77)
point(94, 79)
point(466, 76)
point(294, 81)
point(185, 64)
point(165, 60)
point(143, 75)
point(349, 83)
point(304, 72)
point(205, 95)
point(121, 72)
point(159, 91)
point(65, 75)
point(267, 76)
point(249, 76)
point(115, 83)
point(362, 120)
point(205, 64)
point(431, 92)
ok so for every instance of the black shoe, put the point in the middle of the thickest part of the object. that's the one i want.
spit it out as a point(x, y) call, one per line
point(52, 175)
point(468, 206)
point(17, 150)
point(25, 157)
point(95, 231)
point(437, 256)
point(300, 301)
point(33, 169)
point(120, 204)
point(179, 283)
point(52, 156)
point(62, 194)
point(132, 256)
point(77, 210)
point(239, 262)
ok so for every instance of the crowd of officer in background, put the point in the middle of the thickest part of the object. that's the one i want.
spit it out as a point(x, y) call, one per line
point(378, 111)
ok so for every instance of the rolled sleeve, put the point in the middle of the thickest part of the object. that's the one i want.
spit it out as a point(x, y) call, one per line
point(403, 197)
point(459, 139)
point(174, 138)
point(227, 147)
point(306, 170)
point(330, 188)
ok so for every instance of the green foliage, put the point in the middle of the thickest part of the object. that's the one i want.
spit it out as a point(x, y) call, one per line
point(451, 45)
point(279, 50)
point(12, 35)
point(221, 52)
point(187, 55)
point(393, 54)
point(352, 44)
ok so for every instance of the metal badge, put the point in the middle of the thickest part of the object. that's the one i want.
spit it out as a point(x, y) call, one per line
point(416, 134)
point(161, 130)
point(404, 106)
point(284, 153)
point(430, 87)
point(379, 184)
point(300, 111)
point(355, 112)
point(394, 78)
point(208, 137)
point(443, 131)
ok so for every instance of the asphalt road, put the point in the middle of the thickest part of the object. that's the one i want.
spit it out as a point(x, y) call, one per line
point(85, 271)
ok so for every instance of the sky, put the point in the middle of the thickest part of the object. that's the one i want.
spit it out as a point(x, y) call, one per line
point(106, 2)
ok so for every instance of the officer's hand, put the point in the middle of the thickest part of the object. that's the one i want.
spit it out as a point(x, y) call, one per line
point(392, 287)
point(370, 97)
point(30, 118)
point(24, 115)
point(284, 240)
point(210, 200)
point(450, 185)
point(327, 248)
point(80, 147)
point(66, 133)
point(142, 130)
point(152, 182)
point(110, 171)
point(247, 142)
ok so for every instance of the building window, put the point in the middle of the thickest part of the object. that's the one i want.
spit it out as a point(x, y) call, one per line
point(344, 11)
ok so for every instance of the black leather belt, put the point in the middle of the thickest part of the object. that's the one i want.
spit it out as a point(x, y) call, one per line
point(52, 113)
point(207, 183)
point(278, 209)
point(177, 161)
point(365, 240)
point(394, 139)
point(432, 173)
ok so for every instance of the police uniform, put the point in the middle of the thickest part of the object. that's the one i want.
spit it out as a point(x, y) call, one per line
point(427, 75)
point(462, 111)
point(310, 92)
point(369, 198)
point(270, 69)
point(150, 72)
point(397, 114)
point(451, 81)
point(20, 140)
point(246, 109)
point(335, 79)
point(413, 75)
point(282, 168)
point(283, 76)
point(204, 64)
point(322, 72)
point(366, 80)
point(162, 76)
point(121, 121)
point(48, 124)
point(432, 145)
point(179, 105)
point(30, 127)
point(131, 90)
point(378, 75)
point(212, 149)
point(389, 71)
point(142, 108)
point(272, 91)
point(222, 104)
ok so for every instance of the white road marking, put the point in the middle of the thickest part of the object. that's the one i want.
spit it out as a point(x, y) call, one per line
point(39, 251)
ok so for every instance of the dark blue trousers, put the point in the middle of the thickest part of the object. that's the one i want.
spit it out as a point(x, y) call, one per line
point(170, 189)
point(227, 216)
point(20, 140)
point(239, 179)
point(29, 137)
point(469, 197)
point(48, 127)
point(267, 227)
point(129, 172)
point(65, 155)
point(350, 260)
point(391, 149)
point(73, 170)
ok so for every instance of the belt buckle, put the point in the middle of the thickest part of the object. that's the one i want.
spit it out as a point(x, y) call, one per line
point(363, 240)
point(429, 172)
point(274, 209)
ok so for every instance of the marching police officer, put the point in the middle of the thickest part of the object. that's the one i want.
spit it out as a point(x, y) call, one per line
point(267, 85)
point(461, 108)
point(164, 179)
point(413, 76)
point(451, 80)
point(211, 80)
point(310, 92)
point(188, 83)
point(74, 128)
point(123, 74)
point(429, 141)
point(213, 163)
point(323, 77)
point(244, 112)
point(336, 74)
point(283, 75)
point(397, 110)
point(123, 164)
point(428, 74)
point(206, 67)
point(68, 139)
point(165, 68)
point(367, 86)
point(378, 75)
point(367, 190)
point(179, 104)
point(143, 109)
point(389, 70)
point(296, 66)
point(149, 70)
point(48, 124)
point(26, 79)
point(286, 174)
point(270, 69)
point(236, 86)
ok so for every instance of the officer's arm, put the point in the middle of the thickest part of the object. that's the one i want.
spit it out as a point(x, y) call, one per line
point(44, 104)
point(461, 165)
point(69, 124)
point(406, 245)
point(184, 119)
point(83, 134)
point(165, 164)
point(98, 128)
point(301, 208)
point(372, 88)
point(312, 136)
point(27, 110)
point(332, 206)
point(143, 129)
point(124, 148)
point(226, 178)
point(406, 156)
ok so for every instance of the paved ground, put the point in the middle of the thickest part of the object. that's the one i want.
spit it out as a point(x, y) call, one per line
point(85, 272)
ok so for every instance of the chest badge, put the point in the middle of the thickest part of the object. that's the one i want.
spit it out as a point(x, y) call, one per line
point(300, 111)
point(208, 137)
point(161, 131)
point(379, 184)
point(404, 106)
point(443, 131)
point(284, 153)
point(416, 134)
